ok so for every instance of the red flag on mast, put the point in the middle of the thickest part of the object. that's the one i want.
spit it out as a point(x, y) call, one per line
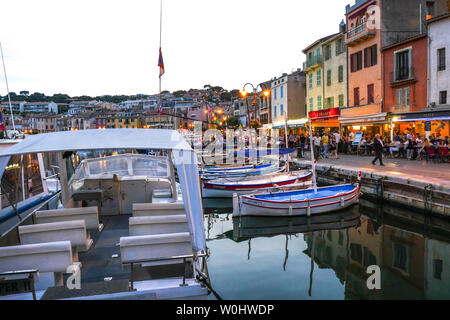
point(160, 63)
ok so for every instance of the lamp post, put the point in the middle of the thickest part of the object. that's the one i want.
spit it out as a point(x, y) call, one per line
point(244, 94)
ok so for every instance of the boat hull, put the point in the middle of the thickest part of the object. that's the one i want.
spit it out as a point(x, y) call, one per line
point(251, 206)
point(217, 190)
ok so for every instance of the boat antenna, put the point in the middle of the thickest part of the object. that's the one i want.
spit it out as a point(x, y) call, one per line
point(7, 89)
point(311, 147)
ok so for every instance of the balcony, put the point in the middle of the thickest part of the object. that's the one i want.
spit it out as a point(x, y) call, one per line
point(358, 34)
point(402, 76)
point(312, 63)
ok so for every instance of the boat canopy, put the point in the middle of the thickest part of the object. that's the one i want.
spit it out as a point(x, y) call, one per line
point(94, 139)
point(184, 159)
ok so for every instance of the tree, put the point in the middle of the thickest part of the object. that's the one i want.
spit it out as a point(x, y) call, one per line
point(24, 93)
point(233, 122)
point(179, 93)
point(255, 124)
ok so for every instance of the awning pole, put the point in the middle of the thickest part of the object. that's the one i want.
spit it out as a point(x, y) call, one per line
point(63, 178)
point(313, 166)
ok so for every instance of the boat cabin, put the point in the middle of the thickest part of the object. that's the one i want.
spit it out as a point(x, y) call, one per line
point(127, 226)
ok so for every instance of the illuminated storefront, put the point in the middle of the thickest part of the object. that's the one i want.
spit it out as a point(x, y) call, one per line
point(325, 119)
point(370, 124)
point(425, 122)
point(295, 126)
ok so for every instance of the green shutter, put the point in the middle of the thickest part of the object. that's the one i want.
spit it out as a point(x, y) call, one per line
point(341, 100)
point(341, 73)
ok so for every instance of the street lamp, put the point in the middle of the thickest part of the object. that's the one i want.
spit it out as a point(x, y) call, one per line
point(244, 94)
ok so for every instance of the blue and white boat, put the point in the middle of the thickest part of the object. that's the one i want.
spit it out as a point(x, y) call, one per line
point(241, 172)
point(299, 202)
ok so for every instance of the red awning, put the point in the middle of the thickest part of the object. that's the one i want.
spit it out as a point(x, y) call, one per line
point(361, 10)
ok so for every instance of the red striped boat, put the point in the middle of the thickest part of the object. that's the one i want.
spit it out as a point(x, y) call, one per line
point(226, 187)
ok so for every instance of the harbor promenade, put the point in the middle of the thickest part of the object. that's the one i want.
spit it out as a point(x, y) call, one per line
point(437, 174)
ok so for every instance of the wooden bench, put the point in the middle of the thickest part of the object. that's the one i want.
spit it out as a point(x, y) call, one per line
point(88, 214)
point(158, 209)
point(160, 248)
point(51, 259)
point(141, 226)
point(73, 231)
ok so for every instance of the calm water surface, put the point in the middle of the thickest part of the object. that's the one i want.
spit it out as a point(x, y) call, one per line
point(326, 257)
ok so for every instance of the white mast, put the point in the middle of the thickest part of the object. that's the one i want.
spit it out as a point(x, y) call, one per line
point(160, 37)
point(7, 89)
point(288, 158)
point(311, 146)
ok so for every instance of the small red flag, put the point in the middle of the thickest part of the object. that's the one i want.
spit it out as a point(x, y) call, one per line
point(160, 63)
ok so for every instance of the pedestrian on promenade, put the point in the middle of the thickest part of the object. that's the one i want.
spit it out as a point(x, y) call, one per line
point(378, 147)
point(334, 147)
point(326, 144)
point(302, 145)
point(337, 140)
point(317, 142)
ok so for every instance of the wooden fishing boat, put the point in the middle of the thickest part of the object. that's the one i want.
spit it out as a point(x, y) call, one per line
point(299, 202)
point(227, 187)
point(257, 170)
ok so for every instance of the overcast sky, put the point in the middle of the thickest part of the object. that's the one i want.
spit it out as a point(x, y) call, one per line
point(97, 47)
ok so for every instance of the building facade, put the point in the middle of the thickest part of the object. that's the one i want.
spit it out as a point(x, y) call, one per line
point(288, 99)
point(372, 25)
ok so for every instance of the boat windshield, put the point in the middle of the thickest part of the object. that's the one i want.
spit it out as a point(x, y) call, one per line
point(126, 165)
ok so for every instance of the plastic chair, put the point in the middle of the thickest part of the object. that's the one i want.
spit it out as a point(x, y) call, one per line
point(431, 154)
point(443, 154)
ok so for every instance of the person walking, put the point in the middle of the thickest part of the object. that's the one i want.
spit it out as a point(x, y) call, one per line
point(317, 142)
point(326, 144)
point(378, 147)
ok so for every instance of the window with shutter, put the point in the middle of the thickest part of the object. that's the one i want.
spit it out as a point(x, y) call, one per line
point(356, 96)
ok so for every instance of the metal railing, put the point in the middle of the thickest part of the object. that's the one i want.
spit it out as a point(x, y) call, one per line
point(402, 74)
point(184, 257)
point(358, 29)
point(27, 280)
point(312, 61)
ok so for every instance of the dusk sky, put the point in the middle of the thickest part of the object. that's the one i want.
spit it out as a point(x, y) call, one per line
point(101, 47)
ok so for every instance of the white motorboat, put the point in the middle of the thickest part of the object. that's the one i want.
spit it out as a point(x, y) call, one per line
point(121, 228)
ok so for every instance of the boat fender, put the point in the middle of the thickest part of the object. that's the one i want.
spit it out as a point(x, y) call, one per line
point(290, 210)
point(342, 202)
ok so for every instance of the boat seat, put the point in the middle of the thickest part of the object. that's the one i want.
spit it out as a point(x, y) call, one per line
point(88, 214)
point(73, 231)
point(158, 209)
point(161, 246)
point(162, 193)
point(51, 259)
point(140, 226)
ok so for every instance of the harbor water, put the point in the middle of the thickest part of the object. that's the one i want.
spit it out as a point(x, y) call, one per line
point(326, 257)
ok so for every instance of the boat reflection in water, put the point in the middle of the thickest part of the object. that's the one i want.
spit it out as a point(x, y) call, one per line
point(326, 256)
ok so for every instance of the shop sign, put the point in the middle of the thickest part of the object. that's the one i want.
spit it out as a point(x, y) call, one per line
point(324, 114)
point(357, 138)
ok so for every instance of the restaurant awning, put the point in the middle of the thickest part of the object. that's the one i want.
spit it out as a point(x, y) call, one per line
point(297, 123)
point(440, 113)
point(375, 119)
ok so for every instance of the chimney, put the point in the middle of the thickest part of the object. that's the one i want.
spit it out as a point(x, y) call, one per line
point(342, 26)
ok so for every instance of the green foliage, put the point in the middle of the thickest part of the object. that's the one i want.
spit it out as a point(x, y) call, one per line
point(179, 93)
point(233, 122)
